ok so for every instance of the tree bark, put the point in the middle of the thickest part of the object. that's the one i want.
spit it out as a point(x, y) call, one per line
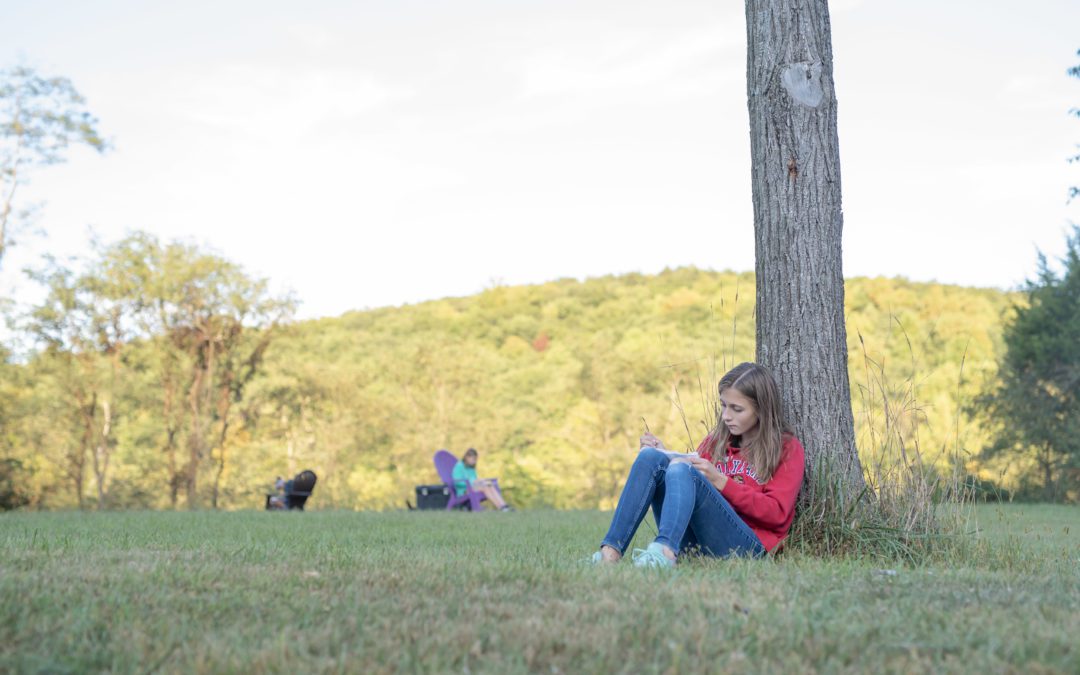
point(1049, 493)
point(224, 405)
point(168, 386)
point(798, 223)
point(196, 435)
point(102, 453)
point(87, 413)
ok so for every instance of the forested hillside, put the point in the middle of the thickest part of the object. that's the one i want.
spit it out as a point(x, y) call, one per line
point(552, 383)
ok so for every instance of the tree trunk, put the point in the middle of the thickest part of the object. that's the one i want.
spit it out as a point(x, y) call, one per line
point(170, 447)
point(76, 471)
point(224, 404)
point(174, 474)
point(87, 413)
point(195, 437)
point(1049, 493)
point(801, 335)
point(102, 453)
point(170, 409)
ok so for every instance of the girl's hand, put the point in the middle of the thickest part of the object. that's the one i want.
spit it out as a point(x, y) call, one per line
point(707, 469)
point(650, 441)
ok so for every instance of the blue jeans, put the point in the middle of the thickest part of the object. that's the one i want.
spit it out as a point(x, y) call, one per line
point(690, 512)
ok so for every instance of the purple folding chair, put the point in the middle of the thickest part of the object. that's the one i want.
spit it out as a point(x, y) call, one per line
point(444, 464)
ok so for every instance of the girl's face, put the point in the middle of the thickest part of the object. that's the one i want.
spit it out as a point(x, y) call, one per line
point(738, 414)
point(470, 461)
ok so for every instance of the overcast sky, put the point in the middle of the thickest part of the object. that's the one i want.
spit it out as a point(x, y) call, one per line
point(377, 152)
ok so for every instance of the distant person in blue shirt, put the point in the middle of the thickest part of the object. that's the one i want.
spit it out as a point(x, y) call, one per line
point(465, 475)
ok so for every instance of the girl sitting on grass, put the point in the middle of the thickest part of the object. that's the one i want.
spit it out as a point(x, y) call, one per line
point(735, 496)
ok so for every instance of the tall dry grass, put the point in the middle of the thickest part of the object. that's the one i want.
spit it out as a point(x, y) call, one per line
point(916, 505)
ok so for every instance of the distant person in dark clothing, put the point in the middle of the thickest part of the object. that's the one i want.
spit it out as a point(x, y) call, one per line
point(283, 487)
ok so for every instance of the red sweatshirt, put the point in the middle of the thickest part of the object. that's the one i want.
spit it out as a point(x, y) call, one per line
point(767, 508)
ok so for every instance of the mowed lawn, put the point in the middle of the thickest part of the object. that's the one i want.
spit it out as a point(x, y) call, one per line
point(328, 592)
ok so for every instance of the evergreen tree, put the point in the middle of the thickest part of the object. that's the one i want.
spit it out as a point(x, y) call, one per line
point(1074, 191)
point(1035, 407)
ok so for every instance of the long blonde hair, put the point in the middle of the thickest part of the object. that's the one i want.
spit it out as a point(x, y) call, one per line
point(763, 452)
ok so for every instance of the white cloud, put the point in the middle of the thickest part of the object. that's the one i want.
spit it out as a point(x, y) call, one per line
point(263, 100)
point(314, 36)
point(844, 5)
point(689, 63)
point(1035, 92)
point(371, 154)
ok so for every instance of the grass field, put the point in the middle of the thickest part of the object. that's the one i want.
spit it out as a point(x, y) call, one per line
point(503, 592)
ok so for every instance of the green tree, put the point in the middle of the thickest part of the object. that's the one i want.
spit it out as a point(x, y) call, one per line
point(84, 324)
point(145, 348)
point(14, 488)
point(550, 382)
point(212, 325)
point(1035, 407)
point(40, 118)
